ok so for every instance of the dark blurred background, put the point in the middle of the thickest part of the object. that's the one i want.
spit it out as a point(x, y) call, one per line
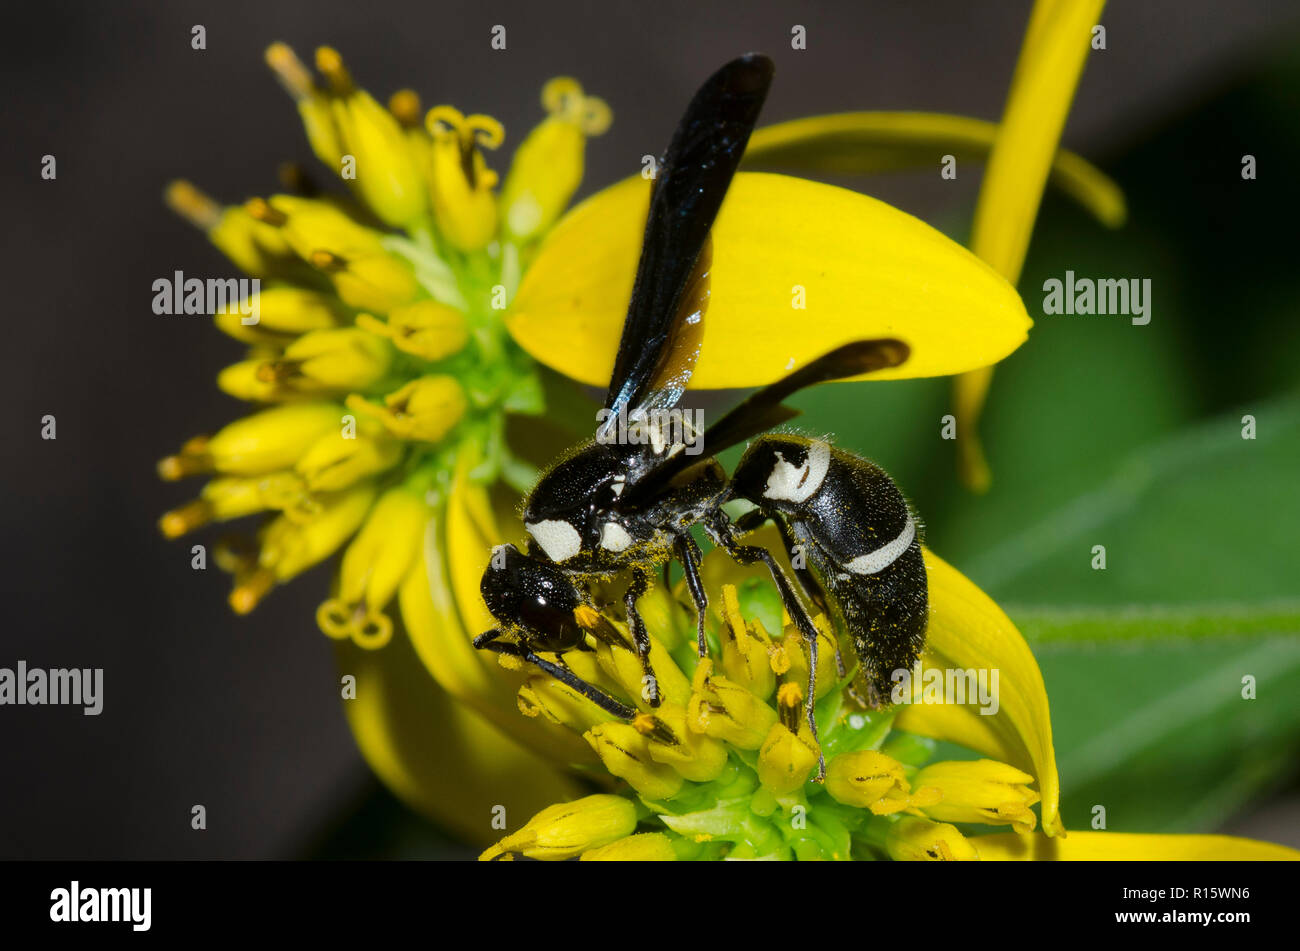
point(242, 715)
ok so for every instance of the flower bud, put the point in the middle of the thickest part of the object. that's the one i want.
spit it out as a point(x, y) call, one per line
point(323, 361)
point(282, 313)
point(336, 461)
point(254, 247)
point(727, 711)
point(795, 660)
point(313, 104)
point(642, 847)
point(785, 760)
point(920, 840)
point(871, 780)
point(264, 442)
point(625, 668)
point(568, 829)
point(368, 282)
point(250, 380)
point(425, 329)
point(387, 178)
point(626, 754)
point(559, 703)
point(221, 499)
point(981, 791)
point(311, 225)
point(697, 757)
point(424, 409)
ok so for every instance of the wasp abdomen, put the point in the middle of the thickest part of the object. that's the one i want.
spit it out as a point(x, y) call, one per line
point(848, 521)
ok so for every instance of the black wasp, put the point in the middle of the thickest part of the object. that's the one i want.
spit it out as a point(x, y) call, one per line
point(616, 505)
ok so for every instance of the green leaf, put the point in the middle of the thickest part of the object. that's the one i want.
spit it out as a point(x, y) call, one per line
point(1164, 737)
point(1048, 625)
point(1206, 516)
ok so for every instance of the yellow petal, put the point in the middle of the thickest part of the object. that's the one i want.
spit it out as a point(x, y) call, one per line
point(865, 269)
point(443, 643)
point(1051, 61)
point(869, 142)
point(438, 755)
point(968, 631)
point(1125, 846)
point(471, 535)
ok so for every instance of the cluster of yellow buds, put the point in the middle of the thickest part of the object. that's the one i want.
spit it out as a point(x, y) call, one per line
point(378, 355)
point(726, 766)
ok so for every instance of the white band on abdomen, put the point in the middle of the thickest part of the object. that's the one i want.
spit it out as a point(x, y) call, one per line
point(877, 561)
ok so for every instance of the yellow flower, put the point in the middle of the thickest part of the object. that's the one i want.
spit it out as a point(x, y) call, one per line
point(402, 359)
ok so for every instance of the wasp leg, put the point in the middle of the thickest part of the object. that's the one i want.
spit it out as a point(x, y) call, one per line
point(636, 627)
point(688, 553)
point(723, 533)
point(752, 520)
point(487, 641)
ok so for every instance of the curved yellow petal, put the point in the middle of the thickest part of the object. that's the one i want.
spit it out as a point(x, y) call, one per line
point(1051, 61)
point(471, 535)
point(1126, 846)
point(968, 631)
point(438, 755)
point(444, 645)
point(857, 143)
point(859, 267)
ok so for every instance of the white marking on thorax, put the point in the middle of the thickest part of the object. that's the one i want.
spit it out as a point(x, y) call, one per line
point(619, 483)
point(790, 484)
point(613, 537)
point(558, 539)
point(877, 561)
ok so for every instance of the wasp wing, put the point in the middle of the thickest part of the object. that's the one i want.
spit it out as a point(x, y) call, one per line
point(660, 340)
point(762, 410)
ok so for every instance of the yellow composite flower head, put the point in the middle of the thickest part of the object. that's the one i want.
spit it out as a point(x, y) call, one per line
point(402, 326)
point(399, 409)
